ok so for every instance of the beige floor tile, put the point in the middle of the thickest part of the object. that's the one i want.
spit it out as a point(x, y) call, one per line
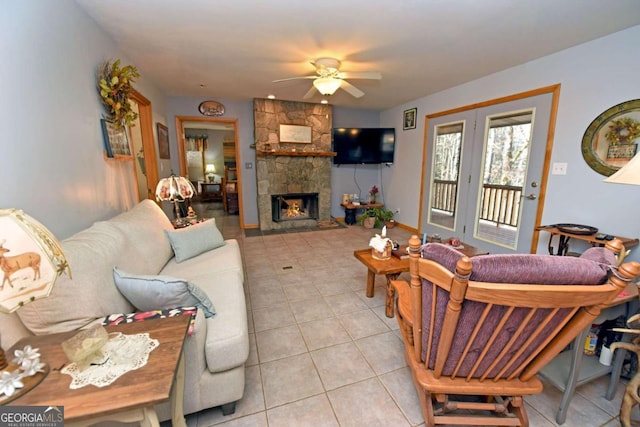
point(254, 420)
point(253, 351)
point(314, 411)
point(400, 386)
point(277, 343)
point(384, 352)
point(323, 333)
point(290, 379)
point(362, 324)
point(273, 317)
point(340, 365)
point(266, 297)
point(366, 403)
point(310, 309)
point(300, 291)
point(344, 303)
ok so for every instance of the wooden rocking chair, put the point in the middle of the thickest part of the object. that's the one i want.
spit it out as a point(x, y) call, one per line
point(476, 331)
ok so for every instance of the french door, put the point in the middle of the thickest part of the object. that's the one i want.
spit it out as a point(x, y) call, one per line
point(484, 172)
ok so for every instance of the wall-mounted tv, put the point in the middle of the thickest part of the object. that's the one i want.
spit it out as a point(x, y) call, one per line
point(363, 145)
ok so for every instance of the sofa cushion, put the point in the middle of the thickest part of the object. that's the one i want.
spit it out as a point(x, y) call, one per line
point(144, 227)
point(148, 293)
point(90, 292)
point(529, 268)
point(191, 241)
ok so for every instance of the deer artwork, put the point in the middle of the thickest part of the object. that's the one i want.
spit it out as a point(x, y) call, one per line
point(11, 264)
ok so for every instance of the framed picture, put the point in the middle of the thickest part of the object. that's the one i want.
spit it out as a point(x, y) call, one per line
point(409, 121)
point(116, 140)
point(163, 141)
point(295, 133)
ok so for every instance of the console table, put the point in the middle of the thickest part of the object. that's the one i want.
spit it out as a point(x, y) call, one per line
point(133, 396)
point(350, 210)
point(564, 237)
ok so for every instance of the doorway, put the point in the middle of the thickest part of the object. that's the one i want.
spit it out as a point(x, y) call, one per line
point(208, 154)
point(485, 171)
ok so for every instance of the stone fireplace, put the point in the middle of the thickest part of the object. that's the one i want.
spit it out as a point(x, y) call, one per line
point(289, 173)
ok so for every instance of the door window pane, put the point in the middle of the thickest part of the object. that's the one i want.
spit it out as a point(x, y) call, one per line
point(445, 177)
point(507, 148)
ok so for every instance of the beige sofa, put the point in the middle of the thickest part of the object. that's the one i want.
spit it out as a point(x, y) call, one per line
point(136, 242)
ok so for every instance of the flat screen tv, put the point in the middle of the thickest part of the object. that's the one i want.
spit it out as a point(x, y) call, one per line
point(363, 145)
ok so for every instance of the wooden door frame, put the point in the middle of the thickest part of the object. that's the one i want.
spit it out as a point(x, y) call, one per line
point(553, 89)
point(182, 158)
point(145, 121)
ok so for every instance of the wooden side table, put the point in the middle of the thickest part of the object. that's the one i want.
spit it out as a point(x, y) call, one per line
point(350, 210)
point(133, 396)
point(392, 268)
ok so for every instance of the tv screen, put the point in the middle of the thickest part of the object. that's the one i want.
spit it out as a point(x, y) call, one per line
point(363, 145)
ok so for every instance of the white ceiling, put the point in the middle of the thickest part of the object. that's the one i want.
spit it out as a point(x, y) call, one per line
point(236, 48)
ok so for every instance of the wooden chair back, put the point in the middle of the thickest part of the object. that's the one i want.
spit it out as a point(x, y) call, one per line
point(487, 325)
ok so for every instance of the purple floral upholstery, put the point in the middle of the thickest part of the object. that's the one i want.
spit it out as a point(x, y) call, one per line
point(593, 268)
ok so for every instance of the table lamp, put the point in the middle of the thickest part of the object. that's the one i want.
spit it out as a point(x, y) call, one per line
point(31, 260)
point(628, 174)
point(175, 189)
point(210, 171)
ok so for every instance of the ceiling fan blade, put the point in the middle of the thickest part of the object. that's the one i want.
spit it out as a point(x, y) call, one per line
point(293, 78)
point(372, 75)
point(310, 93)
point(354, 91)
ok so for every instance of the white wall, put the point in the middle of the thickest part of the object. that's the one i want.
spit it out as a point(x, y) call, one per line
point(594, 76)
point(50, 139)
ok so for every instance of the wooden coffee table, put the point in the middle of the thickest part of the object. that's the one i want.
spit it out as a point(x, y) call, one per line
point(132, 397)
point(392, 268)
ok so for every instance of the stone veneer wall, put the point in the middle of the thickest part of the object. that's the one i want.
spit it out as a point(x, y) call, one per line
point(282, 173)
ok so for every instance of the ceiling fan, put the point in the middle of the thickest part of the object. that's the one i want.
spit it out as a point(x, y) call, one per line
point(328, 78)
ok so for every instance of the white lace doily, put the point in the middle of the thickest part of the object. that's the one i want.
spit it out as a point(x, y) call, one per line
point(121, 354)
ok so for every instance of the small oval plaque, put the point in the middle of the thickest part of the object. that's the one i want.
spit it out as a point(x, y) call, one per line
point(211, 108)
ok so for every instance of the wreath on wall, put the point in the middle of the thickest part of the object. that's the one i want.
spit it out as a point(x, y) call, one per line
point(115, 84)
point(623, 131)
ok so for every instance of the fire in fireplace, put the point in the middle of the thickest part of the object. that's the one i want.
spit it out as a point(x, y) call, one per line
point(294, 206)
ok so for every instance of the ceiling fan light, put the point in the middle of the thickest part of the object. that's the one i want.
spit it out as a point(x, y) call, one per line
point(327, 85)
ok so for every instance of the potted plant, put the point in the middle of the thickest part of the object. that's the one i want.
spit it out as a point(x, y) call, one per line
point(376, 217)
point(115, 84)
point(369, 218)
point(386, 217)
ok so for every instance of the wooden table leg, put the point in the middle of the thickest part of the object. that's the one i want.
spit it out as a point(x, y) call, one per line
point(388, 311)
point(177, 396)
point(371, 281)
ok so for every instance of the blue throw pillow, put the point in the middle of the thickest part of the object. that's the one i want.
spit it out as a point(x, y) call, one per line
point(193, 240)
point(148, 293)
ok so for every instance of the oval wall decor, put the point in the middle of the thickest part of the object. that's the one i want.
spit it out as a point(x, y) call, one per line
point(211, 108)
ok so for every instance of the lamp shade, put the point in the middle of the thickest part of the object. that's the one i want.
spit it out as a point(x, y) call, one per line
point(174, 188)
point(211, 168)
point(628, 174)
point(327, 85)
point(31, 260)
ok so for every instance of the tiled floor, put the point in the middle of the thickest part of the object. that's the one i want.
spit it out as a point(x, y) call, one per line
point(323, 354)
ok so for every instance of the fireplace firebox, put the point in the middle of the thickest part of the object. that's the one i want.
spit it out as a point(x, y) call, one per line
point(294, 206)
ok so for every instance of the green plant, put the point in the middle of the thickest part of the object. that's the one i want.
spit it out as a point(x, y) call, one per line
point(381, 215)
point(115, 86)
